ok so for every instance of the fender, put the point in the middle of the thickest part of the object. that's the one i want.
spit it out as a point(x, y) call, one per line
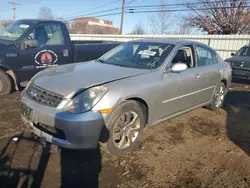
point(8, 71)
point(141, 100)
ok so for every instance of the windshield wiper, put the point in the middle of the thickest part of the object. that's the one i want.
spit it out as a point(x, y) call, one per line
point(102, 61)
point(120, 65)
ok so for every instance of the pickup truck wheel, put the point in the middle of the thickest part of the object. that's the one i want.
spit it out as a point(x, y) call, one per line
point(218, 97)
point(5, 83)
point(125, 125)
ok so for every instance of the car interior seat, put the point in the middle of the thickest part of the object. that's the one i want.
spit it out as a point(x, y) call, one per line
point(181, 56)
point(56, 38)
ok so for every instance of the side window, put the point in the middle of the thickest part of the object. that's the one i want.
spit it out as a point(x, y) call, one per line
point(205, 56)
point(184, 55)
point(47, 34)
point(55, 36)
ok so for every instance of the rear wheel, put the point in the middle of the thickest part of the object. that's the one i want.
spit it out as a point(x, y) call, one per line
point(218, 97)
point(125, 125)
point(5, 83)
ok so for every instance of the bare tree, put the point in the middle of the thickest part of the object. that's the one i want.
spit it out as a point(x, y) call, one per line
point(221, 16)
point(66, 22)
point(184, 26)
point(138, 30)
point(5, 23)
point(161, 21)
point(45, 13)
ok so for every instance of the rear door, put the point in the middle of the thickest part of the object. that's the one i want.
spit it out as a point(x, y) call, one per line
point(53, 50)
point(210, 71)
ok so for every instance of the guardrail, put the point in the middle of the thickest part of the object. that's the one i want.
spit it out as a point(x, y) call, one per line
point(223, 44)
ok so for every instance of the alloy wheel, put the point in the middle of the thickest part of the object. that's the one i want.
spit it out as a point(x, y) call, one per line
point(126, 130)
point(219, 96)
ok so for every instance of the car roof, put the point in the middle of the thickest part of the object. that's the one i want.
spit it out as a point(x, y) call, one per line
point(35, 21)
point(247, 45)
point(168, 41)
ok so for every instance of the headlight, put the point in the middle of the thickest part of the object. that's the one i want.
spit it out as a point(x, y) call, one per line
point(86, 100)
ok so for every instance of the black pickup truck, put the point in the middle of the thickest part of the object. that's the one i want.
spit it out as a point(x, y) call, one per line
point(29, 46)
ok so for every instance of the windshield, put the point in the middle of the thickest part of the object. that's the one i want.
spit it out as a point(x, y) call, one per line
point(13, 31)
point(245, 51)
point(143, 55)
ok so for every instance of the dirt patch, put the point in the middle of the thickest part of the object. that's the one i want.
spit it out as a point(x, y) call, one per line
point(185, 180)
point(175, 134)
point(201, 148)
point(204, 126)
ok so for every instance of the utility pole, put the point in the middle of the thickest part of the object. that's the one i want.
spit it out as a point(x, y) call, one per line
point(14, 4)
point(122, 16)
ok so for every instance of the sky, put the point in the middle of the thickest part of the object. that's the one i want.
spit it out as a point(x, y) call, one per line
point(63, 8)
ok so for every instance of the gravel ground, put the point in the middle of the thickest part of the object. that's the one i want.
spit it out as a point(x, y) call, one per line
point(201, 148)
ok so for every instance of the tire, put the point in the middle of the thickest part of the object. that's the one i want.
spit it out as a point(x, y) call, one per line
point(5, 83)
point(122, 112)
point(215, 105)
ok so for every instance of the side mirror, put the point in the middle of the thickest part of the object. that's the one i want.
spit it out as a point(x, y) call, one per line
point(232, 54)
point(26, 44)
point(179, 67)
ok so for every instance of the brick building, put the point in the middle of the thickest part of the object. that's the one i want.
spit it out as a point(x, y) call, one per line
point(89, 25)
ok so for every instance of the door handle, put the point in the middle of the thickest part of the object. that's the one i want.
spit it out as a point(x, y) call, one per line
point(197, 75)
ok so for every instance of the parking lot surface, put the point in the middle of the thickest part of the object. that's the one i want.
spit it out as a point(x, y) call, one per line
point(201, 148)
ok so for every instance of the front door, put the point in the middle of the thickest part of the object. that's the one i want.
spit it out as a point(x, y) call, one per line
point(52, 51)
point(181, 90)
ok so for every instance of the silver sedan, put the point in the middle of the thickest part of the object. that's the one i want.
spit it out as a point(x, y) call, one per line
point(112, 99)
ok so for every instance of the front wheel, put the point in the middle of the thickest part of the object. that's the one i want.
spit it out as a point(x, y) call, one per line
point(125, 125)
point(218, 97)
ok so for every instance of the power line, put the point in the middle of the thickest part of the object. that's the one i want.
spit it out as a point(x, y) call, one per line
point(130, 2)
point(103, 11)
point(70, 15)
point(141, 6)
point(84, 15)
point(175, 4)
point(185, 10)
point(14, 4)
point(171, 10)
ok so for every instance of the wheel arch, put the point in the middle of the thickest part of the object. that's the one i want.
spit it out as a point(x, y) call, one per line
point(8, 71)
point(144, 106)
point(224, 81)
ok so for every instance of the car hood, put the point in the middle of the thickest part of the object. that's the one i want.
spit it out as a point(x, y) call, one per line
point(69, 79)
point(238, 59)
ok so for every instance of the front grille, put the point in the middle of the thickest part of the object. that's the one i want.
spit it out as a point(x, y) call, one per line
point(241, 65)
point(43, 96)
point(55, 132)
